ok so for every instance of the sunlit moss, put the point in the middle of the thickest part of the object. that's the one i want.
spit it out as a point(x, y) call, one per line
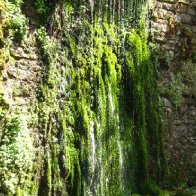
point(95, 104)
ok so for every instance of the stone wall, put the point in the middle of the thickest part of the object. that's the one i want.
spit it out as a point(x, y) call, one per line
point(20, 79)
point(173, 30)
point(174, 26)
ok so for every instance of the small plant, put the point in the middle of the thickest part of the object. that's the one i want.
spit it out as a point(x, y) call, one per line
point(17, 29)
point(175, 91)
point(16, 2)
point(16, 155)
point(16, 22)
point(43, 9)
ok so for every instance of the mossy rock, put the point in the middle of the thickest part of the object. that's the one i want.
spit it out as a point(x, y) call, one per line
point(169, 1)
point(187, 193)
point(2, 5)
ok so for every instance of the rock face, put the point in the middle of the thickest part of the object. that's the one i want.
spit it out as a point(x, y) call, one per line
point(173, 28)
point(173, 25)
point(20, 78)
point(90, 102)
point(78, 97)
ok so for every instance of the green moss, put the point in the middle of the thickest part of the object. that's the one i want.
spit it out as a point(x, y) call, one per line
point(96, 100)
point(18, 192)
point(3, 60)
point(44, 8)
point(72, 45)
point(49, 172)
point(17, 156)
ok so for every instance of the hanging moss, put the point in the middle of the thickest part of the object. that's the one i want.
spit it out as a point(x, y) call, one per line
point(96, 101)
point(97, 86)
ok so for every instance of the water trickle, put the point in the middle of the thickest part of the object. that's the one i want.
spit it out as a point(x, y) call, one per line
point(111, 101)
point(100, 14)
point(111, 14)
point(91, 185)
point(121, 159)
point(93, 148)
point(119, 14)
point(113, 11)
point(63, 83)
point(106, 9)
point(123, 15)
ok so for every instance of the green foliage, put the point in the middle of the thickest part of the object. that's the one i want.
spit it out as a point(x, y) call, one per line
point(44, 42)
point(16, 22)
point(16, 156)
point(180, 84)
point(44, 9)
point(174, 90)
point(135, 70)
point(49, 172)
point(17, 29)
point(93, 111)
point(153, 189)
point(41, 6)
point(106, 70)
point(16, 2)
point(48, 48)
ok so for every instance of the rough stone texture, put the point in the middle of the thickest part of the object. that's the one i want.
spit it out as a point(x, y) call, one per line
point(173, 28)
point(180, 146)
point(20, 77)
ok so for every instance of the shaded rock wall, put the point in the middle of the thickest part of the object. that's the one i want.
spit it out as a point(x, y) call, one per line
point(173, 29)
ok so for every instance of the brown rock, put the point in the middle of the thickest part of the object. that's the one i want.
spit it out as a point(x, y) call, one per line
point(193, 41)
point(194, 28)
point(186, 2)
point(193, 4)
point(185, 18)
point(191, 12)
point(160, 39)
point(168, 6)
point(169, 1)
point(163, 14)
point(181, 8)
point(177, 18)
point(162, 21)
point(158, 4)
point(160, 27)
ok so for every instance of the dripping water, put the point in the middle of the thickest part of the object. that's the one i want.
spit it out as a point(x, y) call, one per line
point(91, 51)
point(93, 147)
point(91, 185)
point(120, 153)
point(106, 9)
point(100, 11)
point(122, 15)
point(121, 31)
point(110, 8)
point(119, 14)
point(113, 11)
point(111, 101)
